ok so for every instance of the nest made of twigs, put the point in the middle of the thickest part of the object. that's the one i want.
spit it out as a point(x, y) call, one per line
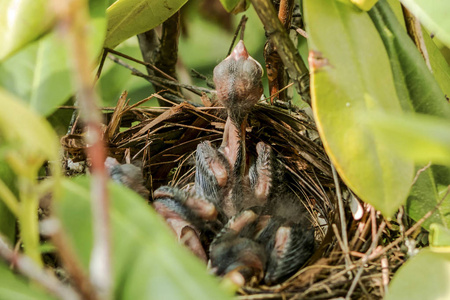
point(164, 141)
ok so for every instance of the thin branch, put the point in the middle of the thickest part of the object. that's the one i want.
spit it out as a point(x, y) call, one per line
point(285, 88)
point(27, 267)
point(364, 260)
point(141, 62)
point(52, 227)
point(160, 81)
point(300, 31)
point(410, 230)
point(72, 20)
point(420, 171)
point(195, 89)
point(385, 274)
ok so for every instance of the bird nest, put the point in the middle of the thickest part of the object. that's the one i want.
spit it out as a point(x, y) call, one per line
point(164, 141)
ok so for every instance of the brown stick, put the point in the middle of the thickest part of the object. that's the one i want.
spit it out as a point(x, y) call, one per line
point(27, 267)
point(70, 260)
point(414, 30)
point(163, 53)
point(289, 55)
point(72, 22)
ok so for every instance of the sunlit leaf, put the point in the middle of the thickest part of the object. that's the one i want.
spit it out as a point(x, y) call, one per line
point(13, 286)
point(425, 276)
point(434, 15)
point(148, 263)
point(21, 22)
point(348, 67)
point(130, 17)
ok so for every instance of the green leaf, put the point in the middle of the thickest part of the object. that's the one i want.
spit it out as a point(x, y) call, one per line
point(420, 137)
point(147, 262)
point(418, 91)
point(440, 67)
point(427, 192)
point(416, 87)
point(130, 17)
point(439, 237)
point(398, 12)
point(13, 286)
point(349, 68)
point(425, 276)
point(40, 74)
point(424, 139)
point(21, 22)
point(25, 131)
point(7, 219)
point(364, 4)
point(434, 15)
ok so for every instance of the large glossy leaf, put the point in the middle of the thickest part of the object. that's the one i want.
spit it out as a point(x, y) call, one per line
point(425, 276)
point(351, 76)
point(434, 15)
point(147, 262)
point(13, 286)
point(21, 22)
point(130, 17)
point(419, 91)
point(40, 74)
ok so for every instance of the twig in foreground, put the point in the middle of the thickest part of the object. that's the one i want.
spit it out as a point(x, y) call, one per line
point(27, 267)
point(72, 20)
